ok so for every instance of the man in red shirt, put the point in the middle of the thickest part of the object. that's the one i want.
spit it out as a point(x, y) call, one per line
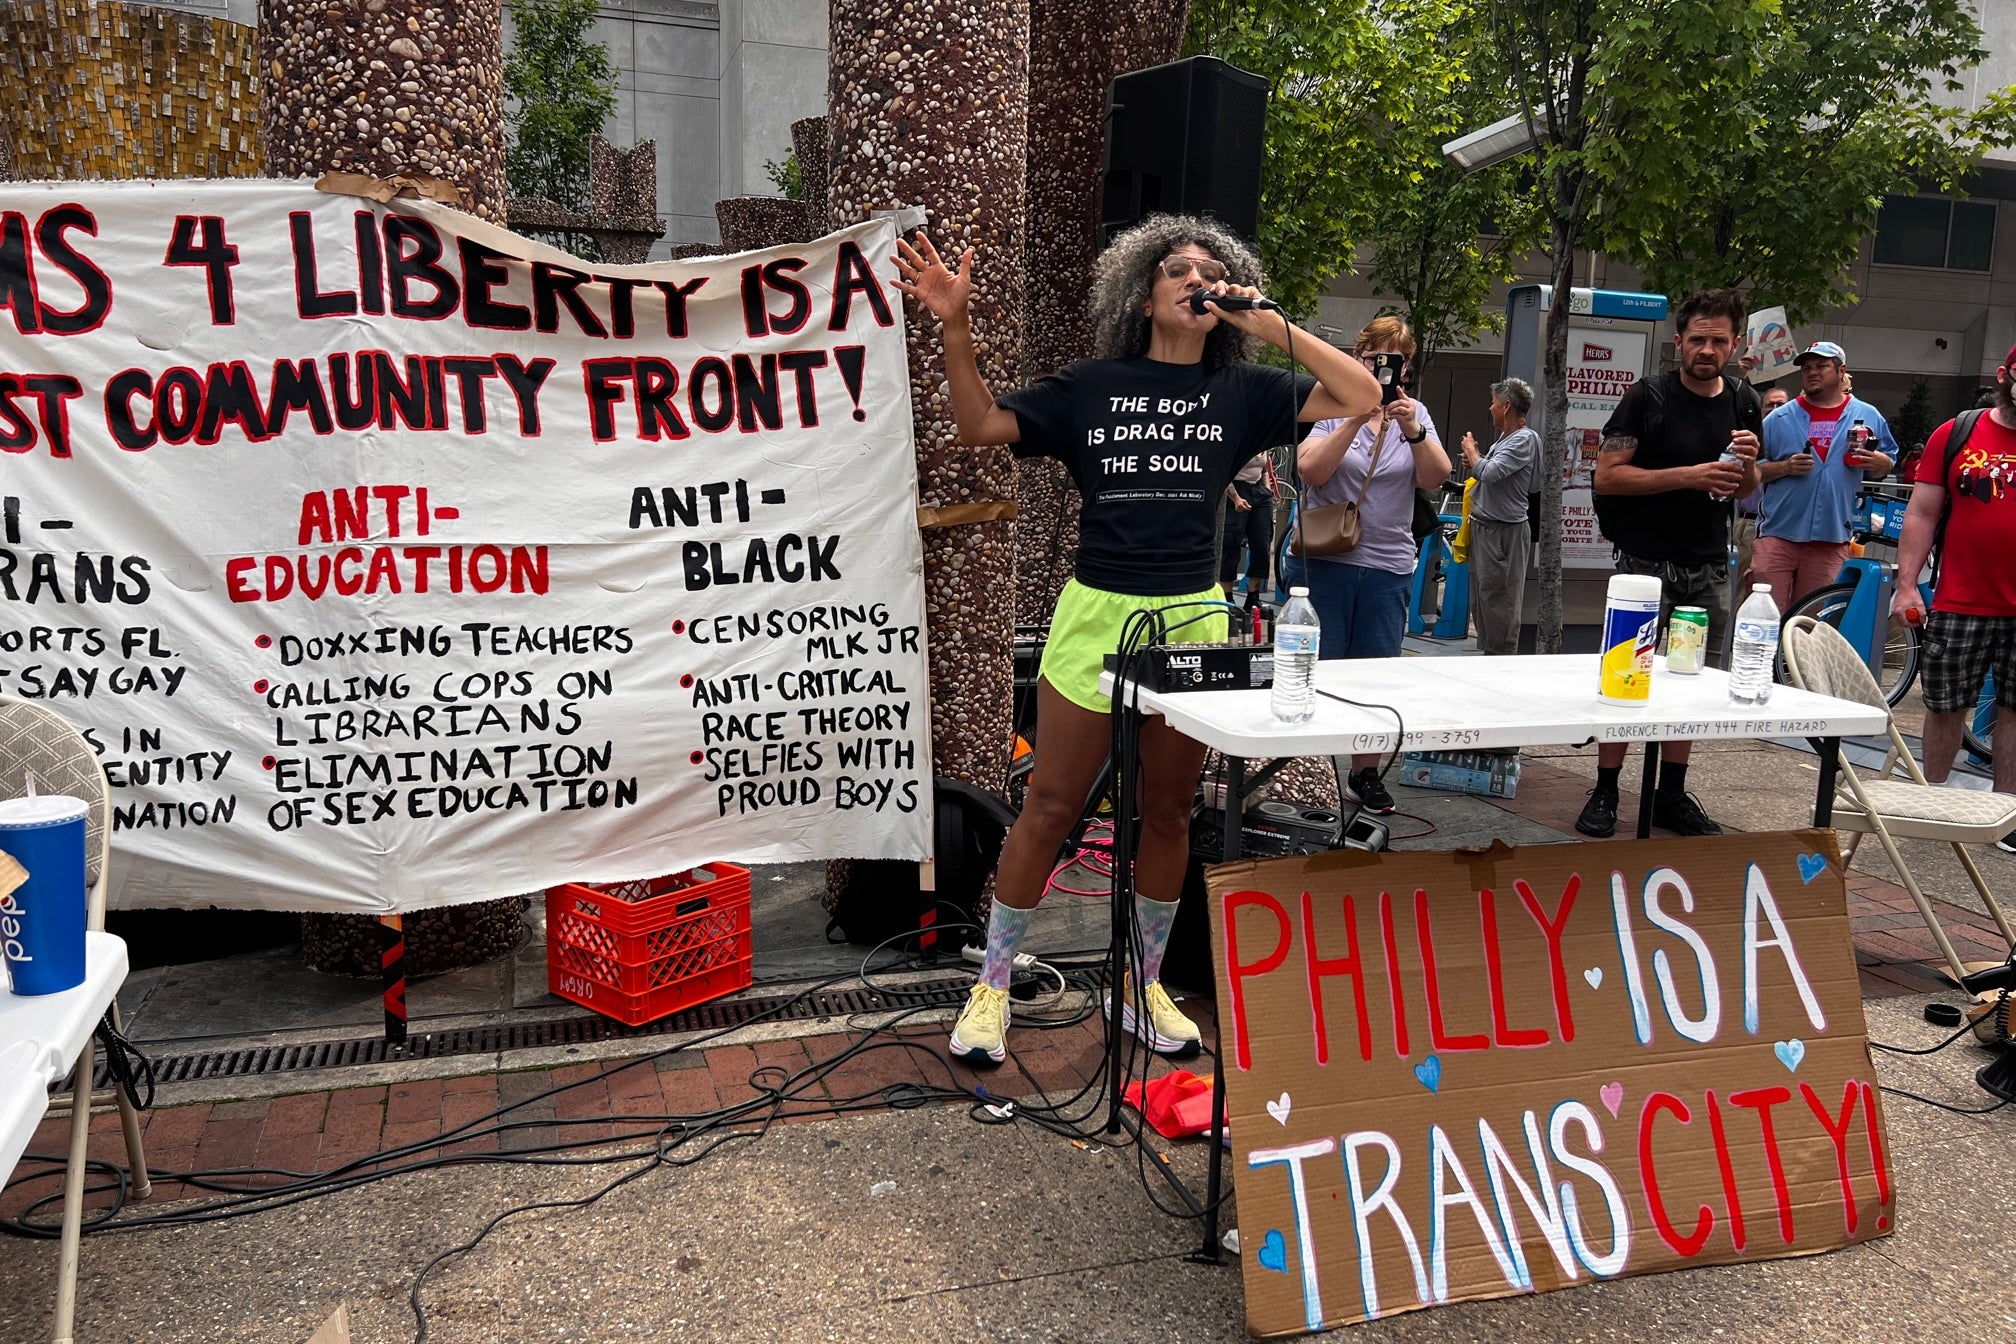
point(1972, 629)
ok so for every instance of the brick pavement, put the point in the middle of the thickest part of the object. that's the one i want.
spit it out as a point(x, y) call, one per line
point(578, 1104)
point(320, 1131)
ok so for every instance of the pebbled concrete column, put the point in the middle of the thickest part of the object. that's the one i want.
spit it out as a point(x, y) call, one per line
point(385, 87)
point(928, 107)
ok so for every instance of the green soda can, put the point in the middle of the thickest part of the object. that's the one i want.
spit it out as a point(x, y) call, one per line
point(1687, 640)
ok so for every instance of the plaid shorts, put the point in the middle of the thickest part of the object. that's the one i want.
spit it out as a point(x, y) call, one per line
point(1959, 651)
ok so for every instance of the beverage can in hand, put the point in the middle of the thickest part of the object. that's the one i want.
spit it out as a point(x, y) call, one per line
point(1687, 640)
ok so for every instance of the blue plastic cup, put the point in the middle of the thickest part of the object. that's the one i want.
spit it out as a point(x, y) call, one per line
point(42, 921)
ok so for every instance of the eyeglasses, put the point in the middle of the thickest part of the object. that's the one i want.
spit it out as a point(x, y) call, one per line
point(1209, 271)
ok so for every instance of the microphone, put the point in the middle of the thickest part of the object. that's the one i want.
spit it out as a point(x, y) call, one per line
point(1230, 303)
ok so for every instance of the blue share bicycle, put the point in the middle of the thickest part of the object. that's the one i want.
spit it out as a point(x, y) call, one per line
point(1857, 604)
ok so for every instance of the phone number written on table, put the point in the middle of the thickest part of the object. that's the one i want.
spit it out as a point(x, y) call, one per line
point(1609, 732)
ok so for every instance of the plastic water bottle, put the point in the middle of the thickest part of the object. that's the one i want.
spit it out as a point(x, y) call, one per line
point(1729, 454)
point(1297, 636)
point(1756, 648)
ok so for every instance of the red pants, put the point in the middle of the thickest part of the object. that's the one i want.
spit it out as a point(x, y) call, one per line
point(1795, 568)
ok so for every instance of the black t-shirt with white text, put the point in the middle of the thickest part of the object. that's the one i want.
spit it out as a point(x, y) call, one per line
point(1151, 447)
point(1686, 527)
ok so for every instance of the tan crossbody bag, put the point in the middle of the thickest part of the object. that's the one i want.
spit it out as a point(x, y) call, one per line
point(1333, 529)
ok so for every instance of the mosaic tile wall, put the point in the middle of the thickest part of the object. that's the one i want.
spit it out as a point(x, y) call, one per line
point(115, 91)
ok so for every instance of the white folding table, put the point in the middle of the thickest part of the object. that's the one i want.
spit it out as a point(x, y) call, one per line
point(43, 1039)
point(1457, 704)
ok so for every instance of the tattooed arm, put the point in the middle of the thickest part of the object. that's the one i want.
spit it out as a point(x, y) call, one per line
point(1617, 475)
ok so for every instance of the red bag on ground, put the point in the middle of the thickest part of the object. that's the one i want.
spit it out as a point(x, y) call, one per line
point(1177, 1105)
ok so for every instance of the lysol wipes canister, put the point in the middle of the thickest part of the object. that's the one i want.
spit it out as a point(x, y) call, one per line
point(1630, 635)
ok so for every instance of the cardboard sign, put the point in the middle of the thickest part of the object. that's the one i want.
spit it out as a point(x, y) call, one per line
point(390, 559)
point(1768, 348)
point(1464, 1076)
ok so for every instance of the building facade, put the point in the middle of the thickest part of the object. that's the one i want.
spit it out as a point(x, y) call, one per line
point(717, 83)
point(1936, 284)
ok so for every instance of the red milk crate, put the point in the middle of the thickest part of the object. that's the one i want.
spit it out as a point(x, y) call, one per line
point(636, 951)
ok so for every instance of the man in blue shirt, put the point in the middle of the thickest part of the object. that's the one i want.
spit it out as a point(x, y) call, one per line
point(1812, 472)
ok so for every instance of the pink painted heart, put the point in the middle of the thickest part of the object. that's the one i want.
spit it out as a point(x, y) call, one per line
point(1613, 1097)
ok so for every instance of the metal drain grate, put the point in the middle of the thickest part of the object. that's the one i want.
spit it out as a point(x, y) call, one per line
point(302, 1057)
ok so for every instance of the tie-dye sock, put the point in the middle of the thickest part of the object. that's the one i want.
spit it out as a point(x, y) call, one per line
point(1155, 919)
point(1005, 927)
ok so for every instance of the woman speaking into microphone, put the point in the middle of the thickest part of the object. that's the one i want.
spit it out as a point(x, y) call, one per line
point(1152, 430)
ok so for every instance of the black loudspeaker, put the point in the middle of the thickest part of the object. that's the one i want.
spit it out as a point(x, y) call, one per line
point(882, 898)
point(1184, 138)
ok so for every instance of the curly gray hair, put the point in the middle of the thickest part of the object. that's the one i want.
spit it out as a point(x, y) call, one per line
point(1124, 275)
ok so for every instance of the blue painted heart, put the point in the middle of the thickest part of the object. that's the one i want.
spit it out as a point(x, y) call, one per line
point(1790, 1053)
point(1428, 1073)
point(1811, 866)
point(1274, 1251)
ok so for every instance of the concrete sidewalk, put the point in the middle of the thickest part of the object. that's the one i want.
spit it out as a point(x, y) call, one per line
point(992, 1231)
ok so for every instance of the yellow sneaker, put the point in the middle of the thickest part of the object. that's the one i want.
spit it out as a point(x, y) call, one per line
point(981, 1031)
point(1167, 1031)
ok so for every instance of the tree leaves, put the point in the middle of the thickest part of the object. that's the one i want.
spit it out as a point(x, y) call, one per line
point(1836, 109)
point(562, 88)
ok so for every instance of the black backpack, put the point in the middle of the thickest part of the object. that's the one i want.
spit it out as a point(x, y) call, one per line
point(1963, 429)
point(1655, 414)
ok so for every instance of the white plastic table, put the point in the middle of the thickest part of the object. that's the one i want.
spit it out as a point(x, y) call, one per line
point(42, 1040)
point(1467, 704)
point(1457, 704)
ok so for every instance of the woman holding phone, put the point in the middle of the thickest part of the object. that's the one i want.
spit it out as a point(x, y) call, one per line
point(1376, 460)
point(1152, 431)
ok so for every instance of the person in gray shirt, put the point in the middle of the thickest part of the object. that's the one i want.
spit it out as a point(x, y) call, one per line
point(1500, 542)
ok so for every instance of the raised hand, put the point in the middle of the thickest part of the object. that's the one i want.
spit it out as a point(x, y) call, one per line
point(926, 278)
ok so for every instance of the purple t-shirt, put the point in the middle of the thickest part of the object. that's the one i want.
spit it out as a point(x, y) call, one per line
point(1386, 513)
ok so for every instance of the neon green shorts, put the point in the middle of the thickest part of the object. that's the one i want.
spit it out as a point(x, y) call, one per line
point(1089, 622)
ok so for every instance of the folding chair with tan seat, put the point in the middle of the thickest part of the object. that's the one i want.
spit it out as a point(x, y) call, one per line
point(38, 744)
point(1891, 808)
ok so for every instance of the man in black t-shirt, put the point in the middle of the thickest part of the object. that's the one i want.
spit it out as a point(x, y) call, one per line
point(1663, 499)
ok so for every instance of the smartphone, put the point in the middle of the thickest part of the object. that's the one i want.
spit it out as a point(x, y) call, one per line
point(1387, 366)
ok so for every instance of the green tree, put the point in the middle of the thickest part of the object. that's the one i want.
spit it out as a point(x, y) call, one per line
point(1844, 105)
point(1914, 421)
point(1624, 96)
point(1440, 238)
point(1351, 87)
point(562, 88)
point(786, 175)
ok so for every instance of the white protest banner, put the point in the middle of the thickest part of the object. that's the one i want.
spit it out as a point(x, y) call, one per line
point(393, 560)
